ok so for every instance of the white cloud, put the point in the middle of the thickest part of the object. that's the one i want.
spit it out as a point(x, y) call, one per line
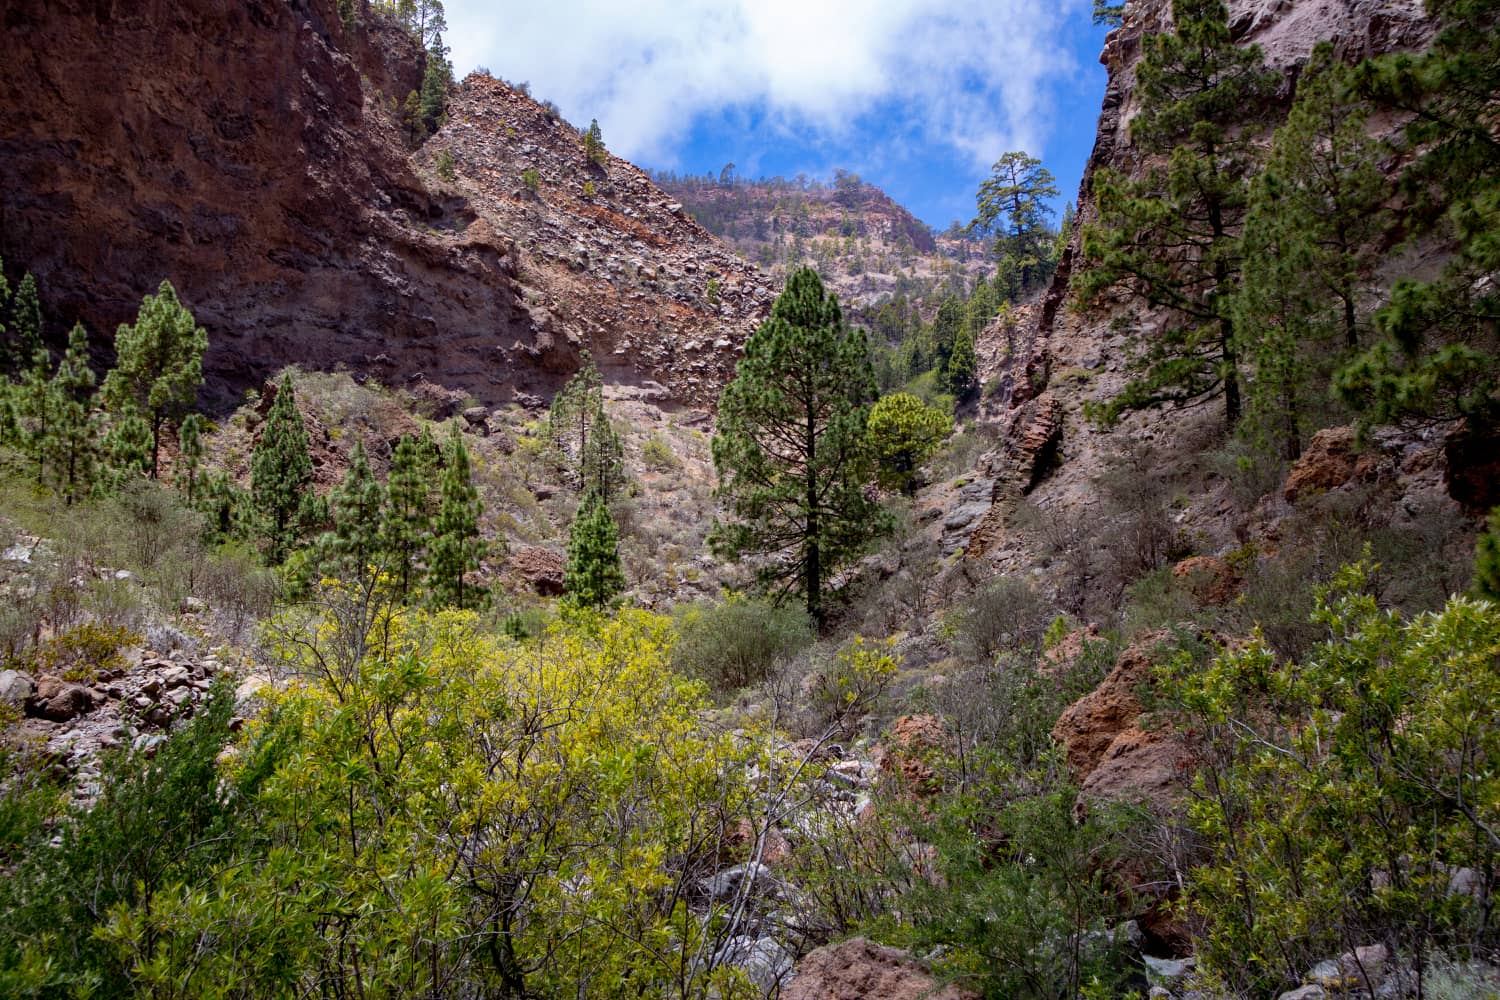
point(967, 74)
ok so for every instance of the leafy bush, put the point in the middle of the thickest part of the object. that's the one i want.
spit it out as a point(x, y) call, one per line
point(736, 643)
point(1342, 792)
point(852, 686)
point(658, 456)
point(1004, 614)
point(531, 179)
point(905, 432)
point(81, 653)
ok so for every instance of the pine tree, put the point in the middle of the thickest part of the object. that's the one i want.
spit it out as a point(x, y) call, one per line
point(904, 431)
point(1311, 238)
point(25, 325)
point(457, 548)
point(190, 455)
point(74, 440)
point(1012, 205)
point(352, 550)
point(593, 143)
point(8, 360)
point(159, 365)
point(281, 476)
point(1171, 240)
point(1487, 559)
point(790, 449)
point(408, 517)
point(593, 577)
point(1438, 355)
point(38, 405)
point(127, 450)
point(961, 375)
point(582, 438)
point(436, 79)
point(946, 326)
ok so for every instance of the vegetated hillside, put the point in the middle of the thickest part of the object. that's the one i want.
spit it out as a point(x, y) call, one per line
point(866, 247)
point(250, 152)
point(1131, 698)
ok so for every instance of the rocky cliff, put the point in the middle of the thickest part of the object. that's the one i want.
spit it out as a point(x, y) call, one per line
point(248, 151)
point(865, 245)
point(1049, 457)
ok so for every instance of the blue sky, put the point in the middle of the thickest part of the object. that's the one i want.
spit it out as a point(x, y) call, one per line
point(917, 96)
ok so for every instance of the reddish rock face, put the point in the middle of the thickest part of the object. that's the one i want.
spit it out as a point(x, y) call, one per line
point(859, 970)
point(248, 152)
point(1211, 580)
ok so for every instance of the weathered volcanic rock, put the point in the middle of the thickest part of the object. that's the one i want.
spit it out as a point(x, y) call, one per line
point(859, 970)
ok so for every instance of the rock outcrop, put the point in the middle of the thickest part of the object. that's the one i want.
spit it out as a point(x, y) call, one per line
point(250, 153)
point(859, 969)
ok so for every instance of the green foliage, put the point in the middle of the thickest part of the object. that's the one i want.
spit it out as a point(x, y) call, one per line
point(657, 454)
point(437, 78)
point(160, 831)
point(1438, 355)
point(24, 333)
point(582, 438)
point(960, 376)
point(1012, 205)
point(1487, 559)
point(352, 550)
point(1171, 239)
point(159, 366)
point(790, 446)
point(81, 653)
point(190, 455)
point(408, 522)
point(1004, 614)
point(1312, 236)
point(905, 432)
point(737, 642)
point(281, 476)
point(1341, 793)
point(593, 577)
point(445, 165)
point(593, 144)
point(457, 548)
point(531, 179)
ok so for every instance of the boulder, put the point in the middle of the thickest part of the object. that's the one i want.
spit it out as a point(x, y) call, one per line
point(904, 757)
point(859, 969)
point(57, 700)
point(765, 960)
point(1211, 580)
point(541, 568)
point(15, 687)
point(1329, 462)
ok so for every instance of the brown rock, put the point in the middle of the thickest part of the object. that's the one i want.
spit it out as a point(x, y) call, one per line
point(905, 756)
point(1063, 657)
point(1212, 580)
point(1473, 468)
point(541, 568)
point(1089, 725)
point(1328, 463)
point(1141, 765)
point(57, 700)
point(862, 970)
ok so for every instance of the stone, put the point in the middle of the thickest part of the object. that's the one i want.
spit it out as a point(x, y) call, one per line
point(15, 687)
point(249, 688)
point(541, 568)
point(727, 883)
point(1328, 463)
point(965, 514)
point(1310, 992)
point(765, 960)
point(57, 700)
point(911, 740)
point(1211, 580)
point(175, 676)
point(859, 969)
point(1164, 973)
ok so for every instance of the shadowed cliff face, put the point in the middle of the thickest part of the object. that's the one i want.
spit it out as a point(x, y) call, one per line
point(244, 150)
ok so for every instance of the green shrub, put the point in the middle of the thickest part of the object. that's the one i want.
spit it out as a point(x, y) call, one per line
point(1340, 793)
point(905, 432)
point(736, 643)
point(852, 686)
point(81, 653)
point(657, 455)
point(1005, 613)
point(445, 165)
point(531, 179)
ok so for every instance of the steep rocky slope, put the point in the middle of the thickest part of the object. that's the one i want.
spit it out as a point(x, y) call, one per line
point(248, 152)
point(1058, 358)
point(865, 245)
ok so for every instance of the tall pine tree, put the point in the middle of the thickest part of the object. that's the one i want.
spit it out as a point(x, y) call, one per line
point(407, 524)
point(159, 366)
point(1312, 238)
point(352, 550)
point(790, 449)
point(281, 476)
point(1171, 239)
point(457, 548)
point(1012, 207)
point(593, 577)
point(76, 433)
